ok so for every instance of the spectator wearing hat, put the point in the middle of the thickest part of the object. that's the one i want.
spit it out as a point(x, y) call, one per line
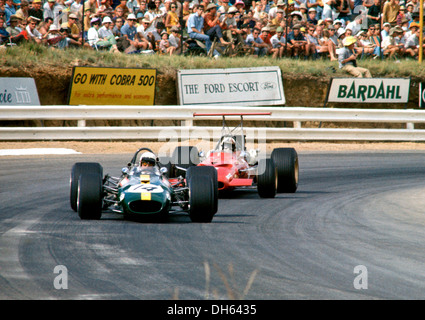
point(390, 12)
point(364, 45)
point(347, 59)
point(164, 44)
point(298, 41)
point(278, 43)
point(311, 16)
point(146, 35)
point(14, 31)
point(213, 25)
point(105, 31)
point(55, 39)
point(412, 42)
point(259, 47)
point(73, 30)
point(280, 5)
point(391, 48)
point(31, 30)
point(409, 11)
point(96, 41)
point(36, 10)
point(129, 31)
point(231, 33)
point(385, 32)
point(333, 42)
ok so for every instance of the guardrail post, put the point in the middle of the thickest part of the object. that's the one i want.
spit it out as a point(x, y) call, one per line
point(410, 126)
point(187, 123)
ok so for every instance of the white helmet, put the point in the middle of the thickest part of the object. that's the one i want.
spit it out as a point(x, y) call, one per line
point(228, 144)
point(148, 157)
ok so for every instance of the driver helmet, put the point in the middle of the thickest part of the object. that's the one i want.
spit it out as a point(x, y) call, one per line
point(228, 144)
point(147, 159)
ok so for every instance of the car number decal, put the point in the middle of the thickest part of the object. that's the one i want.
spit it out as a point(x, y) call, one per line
point(146, 188)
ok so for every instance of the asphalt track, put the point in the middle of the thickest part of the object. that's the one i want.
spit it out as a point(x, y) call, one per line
point(354, 230)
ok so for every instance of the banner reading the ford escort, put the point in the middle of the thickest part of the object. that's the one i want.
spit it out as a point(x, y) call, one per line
point(235, 86)
point(369, 90)
point(112, 86)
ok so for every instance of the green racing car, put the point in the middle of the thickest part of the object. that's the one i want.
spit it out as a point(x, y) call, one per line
point(143, 189)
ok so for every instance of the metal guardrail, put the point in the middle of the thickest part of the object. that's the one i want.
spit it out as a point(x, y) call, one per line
point(188, 127)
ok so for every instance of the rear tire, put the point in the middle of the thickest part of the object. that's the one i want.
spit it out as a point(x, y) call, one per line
point(286, 163)
point(78, 169)
point(201, 198)
point(89, 197)
point(266, 179)
point(209, 171)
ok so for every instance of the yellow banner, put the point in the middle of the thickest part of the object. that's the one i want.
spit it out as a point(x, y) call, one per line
point(112, 86)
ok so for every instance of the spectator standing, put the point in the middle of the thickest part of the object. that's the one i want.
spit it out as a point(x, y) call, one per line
point(390, 12)
point(374, 13)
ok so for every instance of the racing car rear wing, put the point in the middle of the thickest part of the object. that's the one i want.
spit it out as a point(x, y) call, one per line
point(226, 131)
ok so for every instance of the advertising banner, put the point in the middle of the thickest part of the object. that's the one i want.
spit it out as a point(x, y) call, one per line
point(18, 92)
point(369, 90)
point(112, 86)
point(236, 86)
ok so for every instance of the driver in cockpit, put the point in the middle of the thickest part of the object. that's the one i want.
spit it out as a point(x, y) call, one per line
point(147, 160)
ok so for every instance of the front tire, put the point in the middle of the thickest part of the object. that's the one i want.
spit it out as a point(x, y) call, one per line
point(208, 171)
point(201, 198)
point(286, 163)
point(78, 169)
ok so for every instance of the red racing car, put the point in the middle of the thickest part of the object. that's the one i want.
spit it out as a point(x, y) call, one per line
point(238, 168)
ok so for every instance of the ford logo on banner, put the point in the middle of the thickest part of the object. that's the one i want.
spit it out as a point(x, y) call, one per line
point(18, 92)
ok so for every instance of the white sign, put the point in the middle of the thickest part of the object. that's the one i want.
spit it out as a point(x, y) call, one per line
point(247, 86)
point(18, 92)
point(369, 90)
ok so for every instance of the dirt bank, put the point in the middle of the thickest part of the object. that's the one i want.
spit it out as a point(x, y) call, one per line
point(300, 90)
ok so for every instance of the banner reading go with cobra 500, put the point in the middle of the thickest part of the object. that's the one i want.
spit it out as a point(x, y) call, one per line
point(112, 86)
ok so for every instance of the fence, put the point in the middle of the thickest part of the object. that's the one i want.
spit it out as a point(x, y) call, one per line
point(184, 114)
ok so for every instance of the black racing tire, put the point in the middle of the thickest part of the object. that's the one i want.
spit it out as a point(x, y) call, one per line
point(209, 171)
point(286, 163)
point(78, 169)
point(201, 198)
point(266, 179)
point(184, 157)
point(89, 197)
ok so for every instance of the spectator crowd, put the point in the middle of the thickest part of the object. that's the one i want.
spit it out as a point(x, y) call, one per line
point(299, 29)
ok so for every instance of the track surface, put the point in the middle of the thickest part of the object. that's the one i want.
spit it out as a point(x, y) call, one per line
point(351, 209)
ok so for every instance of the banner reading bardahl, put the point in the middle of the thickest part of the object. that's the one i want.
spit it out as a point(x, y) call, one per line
point(245, 86)
point(112, 86)
point(369, 90)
